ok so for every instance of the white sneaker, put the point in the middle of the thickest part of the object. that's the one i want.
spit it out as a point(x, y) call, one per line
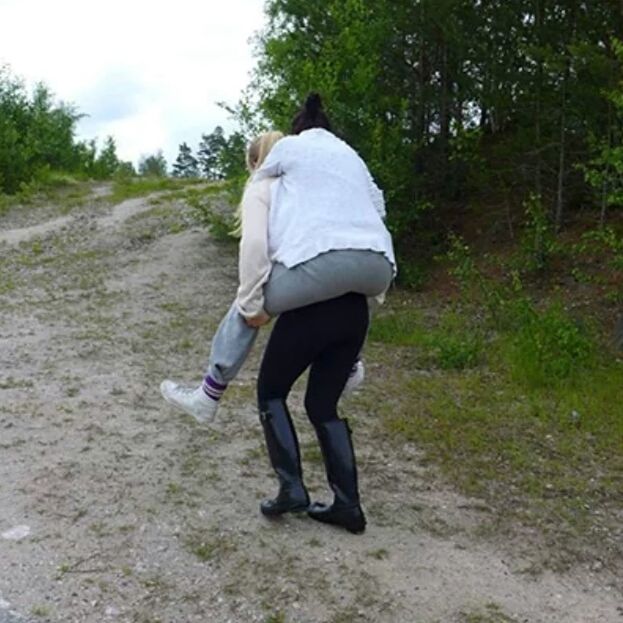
point(191, 400)
point(357, 374)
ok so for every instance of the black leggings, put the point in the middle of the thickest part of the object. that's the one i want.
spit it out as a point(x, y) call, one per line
point(328, 336)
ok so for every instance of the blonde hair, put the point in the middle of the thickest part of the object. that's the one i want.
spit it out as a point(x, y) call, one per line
point(257, 151)
point(259, 148)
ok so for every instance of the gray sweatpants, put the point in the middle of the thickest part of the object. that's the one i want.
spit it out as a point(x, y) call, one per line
point(324, 277)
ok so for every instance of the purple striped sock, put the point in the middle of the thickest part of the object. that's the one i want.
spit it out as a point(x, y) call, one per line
point(213, 388)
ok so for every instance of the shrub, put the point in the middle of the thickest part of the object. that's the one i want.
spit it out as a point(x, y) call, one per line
point(549, 348)
point(452, 345)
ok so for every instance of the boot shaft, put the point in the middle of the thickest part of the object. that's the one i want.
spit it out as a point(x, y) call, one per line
point(340, 462)
point(285, 458)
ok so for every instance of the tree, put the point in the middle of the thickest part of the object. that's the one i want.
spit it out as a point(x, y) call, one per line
point(35, 133)
point(436, 95)
point(153, 165)
point(209, 153)
point(186, 164)
point(106, 163)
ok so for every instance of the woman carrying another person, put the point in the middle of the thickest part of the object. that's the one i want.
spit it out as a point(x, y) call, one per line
point(312, 230)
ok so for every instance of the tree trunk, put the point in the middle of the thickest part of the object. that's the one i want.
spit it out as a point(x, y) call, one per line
point(618, 334)
point(537, 122)
point(561, 157)
point(444, 108)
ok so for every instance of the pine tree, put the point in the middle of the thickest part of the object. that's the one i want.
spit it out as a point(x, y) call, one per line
point(209, 154)
point(186, 164)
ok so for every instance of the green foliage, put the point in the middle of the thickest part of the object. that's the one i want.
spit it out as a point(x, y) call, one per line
point(35, 133)
point(449, 100)
point(153, 165)
point(106, 163)
point(212, 207)
point(37, 140)
point(538, 241)
point(549, 348)
point(604, 169)
point(186, 165)
point(451, 345)
point(222, 157)
point(542, 347)
point(128, 187)
point(455, 345)
point(602, 242)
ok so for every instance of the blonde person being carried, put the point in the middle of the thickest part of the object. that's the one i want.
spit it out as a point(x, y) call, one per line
point(311, 230)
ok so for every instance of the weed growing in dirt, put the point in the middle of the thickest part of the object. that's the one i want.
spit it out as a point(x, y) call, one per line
point(41, 611)
point(378, 554)
point(210, 544)
point(214, 210)
point(491, 613)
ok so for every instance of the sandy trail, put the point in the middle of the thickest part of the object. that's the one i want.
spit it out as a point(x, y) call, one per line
point(115, 508)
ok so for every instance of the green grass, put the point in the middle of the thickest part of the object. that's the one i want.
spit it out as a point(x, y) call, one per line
point(128, 188)
point(449, 344)
point(538, 433)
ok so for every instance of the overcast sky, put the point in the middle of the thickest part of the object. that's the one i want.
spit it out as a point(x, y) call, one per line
point(148, 73)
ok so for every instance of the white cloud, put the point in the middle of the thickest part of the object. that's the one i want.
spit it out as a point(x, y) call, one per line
point(149, 73)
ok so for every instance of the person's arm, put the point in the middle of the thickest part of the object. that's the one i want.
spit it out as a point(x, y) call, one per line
point(275, 163)
point(254, 265)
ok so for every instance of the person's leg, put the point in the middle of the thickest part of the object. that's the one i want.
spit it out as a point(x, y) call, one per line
point(358, 370)
point(310, 328)
point(324, 277)
point(327, 377)
point(281, 366)
point(230, 347)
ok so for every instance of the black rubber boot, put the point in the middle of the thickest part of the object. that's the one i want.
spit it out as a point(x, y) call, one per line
point(285, 457)
point(339, 459)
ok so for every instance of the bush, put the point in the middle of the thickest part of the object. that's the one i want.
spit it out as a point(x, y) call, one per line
point(454, 345)
point(212, 207)
point(451, 345)
point(549, 348)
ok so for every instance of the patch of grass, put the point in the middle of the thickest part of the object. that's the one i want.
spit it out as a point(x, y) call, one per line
point(128, 188)
point(311, 452)
point(210, 544)
point(346, 615)
point(12, 383)
point(450, 345)
point(40, 611)
point(214, 210)
point(548, 348)
point(552, 455)
point(492, 613)
point(276, 617)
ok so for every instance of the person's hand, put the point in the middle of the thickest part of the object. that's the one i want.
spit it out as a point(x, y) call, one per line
point(258, 321)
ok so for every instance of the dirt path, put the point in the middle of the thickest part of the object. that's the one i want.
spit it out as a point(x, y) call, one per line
point(115, 508)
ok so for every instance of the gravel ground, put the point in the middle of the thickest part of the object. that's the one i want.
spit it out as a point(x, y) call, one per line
point(113, 507)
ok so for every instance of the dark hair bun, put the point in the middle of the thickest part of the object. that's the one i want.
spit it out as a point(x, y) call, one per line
point(313, 104)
